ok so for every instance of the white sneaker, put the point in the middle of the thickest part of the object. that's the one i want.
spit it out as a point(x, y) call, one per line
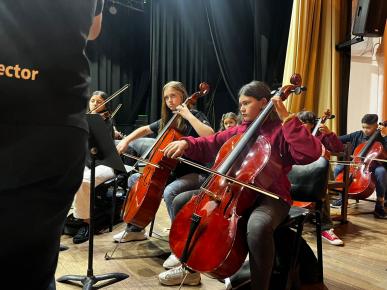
point(175, 276)
point(227, 284)
point(171, 262)
point(125, 236)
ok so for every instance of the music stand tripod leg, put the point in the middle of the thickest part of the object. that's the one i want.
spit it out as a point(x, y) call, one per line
point(90, 279)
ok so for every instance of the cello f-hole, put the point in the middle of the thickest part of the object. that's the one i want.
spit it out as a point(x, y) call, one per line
point(230, 198)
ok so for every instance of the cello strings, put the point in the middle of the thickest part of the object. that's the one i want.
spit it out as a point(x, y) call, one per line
point(255, 188)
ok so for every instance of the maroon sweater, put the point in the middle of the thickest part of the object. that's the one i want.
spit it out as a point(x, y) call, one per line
point(331, 142)
point(291, 140)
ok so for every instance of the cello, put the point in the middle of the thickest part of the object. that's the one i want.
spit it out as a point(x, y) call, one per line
point(326, 116)
point(213, 223)
point(143, 199)
point(361, 181)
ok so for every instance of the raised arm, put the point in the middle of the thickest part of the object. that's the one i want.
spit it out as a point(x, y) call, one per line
point(95, 28)
point(299, 145)
point(201, 126)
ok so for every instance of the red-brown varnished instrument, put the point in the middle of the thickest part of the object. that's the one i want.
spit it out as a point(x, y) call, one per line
point(326, 115)
point(209, 233)
point(361, 180)
point(144, 197)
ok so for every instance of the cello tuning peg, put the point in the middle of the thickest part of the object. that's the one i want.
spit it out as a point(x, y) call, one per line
point(299, 90)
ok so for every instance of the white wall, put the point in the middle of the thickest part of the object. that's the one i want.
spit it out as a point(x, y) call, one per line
point(366, 80)
point(365, 83)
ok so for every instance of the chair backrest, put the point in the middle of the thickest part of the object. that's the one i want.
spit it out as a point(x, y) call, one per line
point(345, 155)
point(309, 182)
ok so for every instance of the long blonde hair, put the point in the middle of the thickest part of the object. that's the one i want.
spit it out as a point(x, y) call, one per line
point(165, 112)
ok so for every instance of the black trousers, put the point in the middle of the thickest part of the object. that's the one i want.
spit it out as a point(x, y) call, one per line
point(35, 200)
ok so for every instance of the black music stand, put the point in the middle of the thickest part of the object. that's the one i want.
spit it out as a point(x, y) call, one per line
point(102, 151)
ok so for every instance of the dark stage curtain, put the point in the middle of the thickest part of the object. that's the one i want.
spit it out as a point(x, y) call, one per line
point(226, 43)
point(181, 50)
point(120, 55)
point(250, 39)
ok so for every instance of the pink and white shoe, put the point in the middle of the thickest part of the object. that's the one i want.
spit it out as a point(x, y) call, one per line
point(331, 238)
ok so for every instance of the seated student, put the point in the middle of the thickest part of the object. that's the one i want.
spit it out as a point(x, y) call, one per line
point(330, 141)
point(172, 261)
point(369, 126)
point(228, 120)
point(102, 172)
point(190, 122)
point(288, 138)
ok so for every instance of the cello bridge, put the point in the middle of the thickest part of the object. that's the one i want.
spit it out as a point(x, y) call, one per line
point(211, 194)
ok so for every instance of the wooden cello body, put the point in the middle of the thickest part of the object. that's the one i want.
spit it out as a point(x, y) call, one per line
point(222, 206)
point(144, 198)
point(361, 178)
point(362, 183)
point(208, 234)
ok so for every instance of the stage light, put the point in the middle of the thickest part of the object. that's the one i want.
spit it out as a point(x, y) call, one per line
point(113, 10)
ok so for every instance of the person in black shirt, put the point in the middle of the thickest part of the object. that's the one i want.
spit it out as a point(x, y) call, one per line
point(369, 127)
point(44, 79)
point(190, 123)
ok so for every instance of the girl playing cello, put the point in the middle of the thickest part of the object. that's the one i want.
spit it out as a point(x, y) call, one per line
point(288, 138)
point(189, 123)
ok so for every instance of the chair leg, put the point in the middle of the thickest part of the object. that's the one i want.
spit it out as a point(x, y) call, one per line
point(319, 239)
point(113, 212)
point(300, 227)
point(293, 280)
point(151, 227)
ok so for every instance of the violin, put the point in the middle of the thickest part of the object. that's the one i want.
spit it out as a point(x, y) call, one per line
point(143, 199)
point(362, 183)
point(208, 234)
point(118, 92)
point(104, 114)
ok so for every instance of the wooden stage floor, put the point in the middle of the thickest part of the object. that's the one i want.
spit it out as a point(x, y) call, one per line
point(360, 264)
